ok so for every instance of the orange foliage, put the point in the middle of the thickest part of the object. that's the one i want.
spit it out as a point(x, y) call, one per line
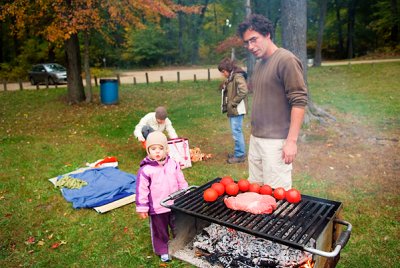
point(57, 20)
point(227, 44)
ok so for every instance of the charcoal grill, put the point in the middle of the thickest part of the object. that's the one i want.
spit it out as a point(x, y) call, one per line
point(292, 225)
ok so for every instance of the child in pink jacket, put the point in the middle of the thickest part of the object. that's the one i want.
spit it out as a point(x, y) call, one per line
point(158, 177)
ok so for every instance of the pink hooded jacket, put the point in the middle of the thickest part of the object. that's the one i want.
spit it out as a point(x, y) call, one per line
point(155, 182)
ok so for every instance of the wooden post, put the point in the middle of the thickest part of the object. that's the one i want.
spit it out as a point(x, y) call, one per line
point(209, 76)
point(20, 84)
point(37, 86)
point(5, 85)
point(47, 83)
point(195, 80)
point(119, 79)
point(56, 85)
point(179, 77)
point(161, 79)
point(147, 78)
point(95, 81)
point(134, 80)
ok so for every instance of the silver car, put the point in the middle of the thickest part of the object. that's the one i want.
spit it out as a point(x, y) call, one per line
point(48, 73)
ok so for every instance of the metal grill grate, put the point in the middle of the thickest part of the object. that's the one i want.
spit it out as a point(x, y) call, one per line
point(290, 224)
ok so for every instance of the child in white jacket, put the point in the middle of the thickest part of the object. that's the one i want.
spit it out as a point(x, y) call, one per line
point(154, 121)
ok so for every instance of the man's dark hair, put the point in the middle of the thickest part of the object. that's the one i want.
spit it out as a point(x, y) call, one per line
point(256, 23)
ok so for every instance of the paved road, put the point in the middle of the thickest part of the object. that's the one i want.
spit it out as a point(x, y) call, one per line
point(184, 74)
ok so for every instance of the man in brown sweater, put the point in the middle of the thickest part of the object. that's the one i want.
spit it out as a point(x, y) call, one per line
point(279, 100)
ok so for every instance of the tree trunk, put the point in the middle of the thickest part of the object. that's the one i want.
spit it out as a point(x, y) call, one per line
point(321, 26)
point(339, 29)
point(294, 29)
point(196, 33)
point(76, 92)
point(251, 60)
point(351, 18)
point(394, 33)
point(180, 34)
point(86, 67)
point(294, 38)
point(2, 34)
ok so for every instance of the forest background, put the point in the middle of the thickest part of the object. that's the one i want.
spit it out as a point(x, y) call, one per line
point(136, 35)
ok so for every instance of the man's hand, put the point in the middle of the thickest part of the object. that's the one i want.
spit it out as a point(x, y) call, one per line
point(143, 215)
point(289, 151)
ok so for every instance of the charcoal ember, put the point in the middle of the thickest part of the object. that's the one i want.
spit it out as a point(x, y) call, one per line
point(266, 262)
point(212, 258)
point(237, 249)
point(225, 260)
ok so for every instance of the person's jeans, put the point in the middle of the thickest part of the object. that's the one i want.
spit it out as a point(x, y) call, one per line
point(237, 135)
point(146, 130)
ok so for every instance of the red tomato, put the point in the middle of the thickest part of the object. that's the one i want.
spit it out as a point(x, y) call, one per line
point(266, 189)
point(243, 185)
point(226, 180)
point(232, 189)
point(219, 187)
point(210, 195)
point(279, 193)
point(254, 187)
point(293, 196)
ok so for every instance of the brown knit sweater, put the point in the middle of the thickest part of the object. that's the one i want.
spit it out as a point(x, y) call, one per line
point(278, 85)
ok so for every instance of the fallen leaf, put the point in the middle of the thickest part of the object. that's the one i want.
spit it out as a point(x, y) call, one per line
point(40, 243)
point(30, 240)
point(55, 245)
point(125, 229)
point(50, 236)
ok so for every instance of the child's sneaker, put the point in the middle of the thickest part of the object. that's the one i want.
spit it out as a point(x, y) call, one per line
point(165, 258)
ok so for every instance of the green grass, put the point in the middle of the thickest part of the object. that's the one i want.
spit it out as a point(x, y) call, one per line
point(42, 137)
point(370, 91)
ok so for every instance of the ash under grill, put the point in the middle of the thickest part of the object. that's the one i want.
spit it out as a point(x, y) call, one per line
point(290, 224)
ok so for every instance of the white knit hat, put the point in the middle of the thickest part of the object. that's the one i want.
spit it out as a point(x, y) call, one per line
point(156, 137)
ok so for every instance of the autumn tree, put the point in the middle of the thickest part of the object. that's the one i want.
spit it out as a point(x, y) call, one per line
point(61, 21)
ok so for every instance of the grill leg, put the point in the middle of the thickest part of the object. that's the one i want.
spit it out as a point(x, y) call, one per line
point(186, 228)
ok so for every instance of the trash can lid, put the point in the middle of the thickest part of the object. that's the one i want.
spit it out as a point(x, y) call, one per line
point(108, 80)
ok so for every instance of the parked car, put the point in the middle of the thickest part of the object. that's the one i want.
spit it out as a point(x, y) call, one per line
point(48, 73)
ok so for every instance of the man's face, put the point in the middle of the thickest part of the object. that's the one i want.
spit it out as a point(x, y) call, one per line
point(256, 43)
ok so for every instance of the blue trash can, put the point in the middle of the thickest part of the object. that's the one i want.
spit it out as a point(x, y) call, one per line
point(109, 91)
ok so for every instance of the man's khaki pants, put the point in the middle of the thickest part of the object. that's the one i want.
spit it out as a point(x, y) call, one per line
point(266, 165)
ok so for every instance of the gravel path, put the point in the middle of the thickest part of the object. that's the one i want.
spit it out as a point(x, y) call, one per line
point(172, 75)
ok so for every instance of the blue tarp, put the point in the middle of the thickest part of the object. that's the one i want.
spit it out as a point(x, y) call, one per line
point(105, 185)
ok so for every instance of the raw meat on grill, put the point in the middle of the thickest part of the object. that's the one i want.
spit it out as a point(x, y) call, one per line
point(252, 202)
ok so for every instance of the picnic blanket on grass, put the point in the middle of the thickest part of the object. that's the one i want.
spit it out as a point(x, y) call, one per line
point(105, 185)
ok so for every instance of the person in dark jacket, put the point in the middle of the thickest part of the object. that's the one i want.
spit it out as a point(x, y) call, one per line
point(234, 103)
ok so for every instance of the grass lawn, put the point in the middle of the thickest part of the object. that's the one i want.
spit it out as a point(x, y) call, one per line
point(353, 160)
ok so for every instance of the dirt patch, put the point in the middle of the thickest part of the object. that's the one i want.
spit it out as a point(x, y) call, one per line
point(351, 156)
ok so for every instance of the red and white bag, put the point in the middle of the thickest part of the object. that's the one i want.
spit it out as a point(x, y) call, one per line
point(179, 151)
